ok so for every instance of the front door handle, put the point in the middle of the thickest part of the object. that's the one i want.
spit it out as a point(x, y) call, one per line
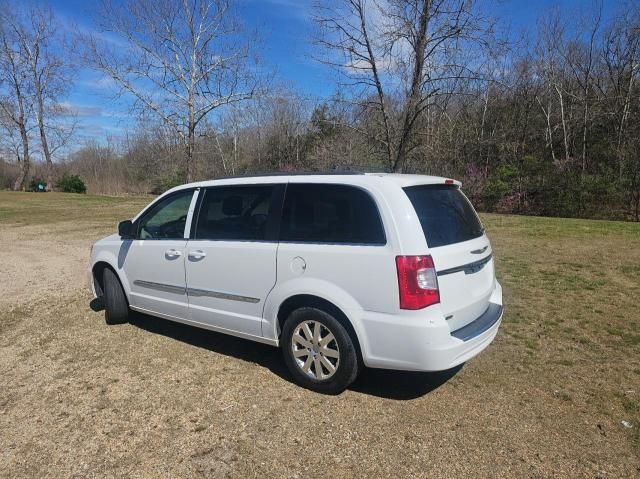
point(172, 253)
point(197, 254)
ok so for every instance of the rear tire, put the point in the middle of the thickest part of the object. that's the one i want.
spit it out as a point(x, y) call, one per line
point(116, 306)
point(319, 351)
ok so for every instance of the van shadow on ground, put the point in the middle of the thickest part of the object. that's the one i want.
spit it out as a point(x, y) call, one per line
point(399, 385)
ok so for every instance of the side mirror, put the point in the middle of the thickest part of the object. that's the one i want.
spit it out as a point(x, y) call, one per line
point(125, 229)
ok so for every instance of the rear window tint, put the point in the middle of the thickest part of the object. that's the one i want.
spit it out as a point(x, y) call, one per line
point(446, 215)
point(321, 213)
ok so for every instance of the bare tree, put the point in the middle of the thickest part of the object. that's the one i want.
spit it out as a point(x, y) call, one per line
point(552, 67)
point(10, 141)
point(16, 101)
point(581, 59)
point(401, 55)
point(179, 60)
point(621, 57)
point(49, 62)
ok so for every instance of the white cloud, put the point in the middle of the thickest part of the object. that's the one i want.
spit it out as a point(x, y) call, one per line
point(72, 109)
point(102, 83)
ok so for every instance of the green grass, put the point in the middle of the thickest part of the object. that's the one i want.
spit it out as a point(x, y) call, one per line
point(542, 228)
point(571, 290)
point(17, 208)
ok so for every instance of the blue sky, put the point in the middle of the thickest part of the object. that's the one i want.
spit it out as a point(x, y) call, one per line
point(285, 28)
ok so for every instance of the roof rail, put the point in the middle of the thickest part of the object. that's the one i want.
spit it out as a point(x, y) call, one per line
point(336, 171)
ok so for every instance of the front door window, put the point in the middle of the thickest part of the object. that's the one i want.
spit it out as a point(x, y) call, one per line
point(167, 219)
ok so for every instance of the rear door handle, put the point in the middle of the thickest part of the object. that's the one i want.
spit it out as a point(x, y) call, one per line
point(172, 253)
point(197, 254)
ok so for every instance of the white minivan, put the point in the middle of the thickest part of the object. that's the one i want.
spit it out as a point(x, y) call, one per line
point(339, 270)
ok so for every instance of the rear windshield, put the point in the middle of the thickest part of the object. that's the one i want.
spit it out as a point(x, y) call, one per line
point(445, 214)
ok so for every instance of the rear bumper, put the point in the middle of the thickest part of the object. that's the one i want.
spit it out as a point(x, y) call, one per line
point(423, 341)
point(485, 321)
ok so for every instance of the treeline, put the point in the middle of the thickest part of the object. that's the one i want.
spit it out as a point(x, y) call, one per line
point(546, 124)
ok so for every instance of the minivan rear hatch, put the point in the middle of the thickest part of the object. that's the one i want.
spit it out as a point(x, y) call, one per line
point(460, 250)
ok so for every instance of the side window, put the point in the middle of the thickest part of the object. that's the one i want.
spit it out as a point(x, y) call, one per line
point(234, 213)
point(321, 213)
point(166, 219)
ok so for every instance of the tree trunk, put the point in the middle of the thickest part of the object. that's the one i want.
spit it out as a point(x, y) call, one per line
point(221, 152)
point(43, 138)
point(235, 152)
point(191, 143)
point(585, 126)
point(621, 128)
point(39, 87)
point(481, 148)
point(378, 83)
point(413, 102)
point(26, 162)
point(191, 136)
point(549, 131)
point(564, 125)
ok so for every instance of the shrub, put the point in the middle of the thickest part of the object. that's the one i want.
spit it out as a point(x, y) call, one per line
point(37, 185)
point(71, 184)
point(165, 183)
point(499, 185)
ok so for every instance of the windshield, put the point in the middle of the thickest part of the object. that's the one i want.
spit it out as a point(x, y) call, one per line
point(445, 213)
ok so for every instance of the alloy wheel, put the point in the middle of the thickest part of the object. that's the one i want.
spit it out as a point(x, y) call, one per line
point(315, 350)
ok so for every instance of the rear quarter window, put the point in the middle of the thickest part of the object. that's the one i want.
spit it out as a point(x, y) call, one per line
point(324, 213)
point(445, 213)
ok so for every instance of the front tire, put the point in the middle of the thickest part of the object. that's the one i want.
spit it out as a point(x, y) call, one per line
point(319, 351)
point(116, 306)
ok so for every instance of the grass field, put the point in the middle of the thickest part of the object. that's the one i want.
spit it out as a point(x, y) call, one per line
point(155, 399)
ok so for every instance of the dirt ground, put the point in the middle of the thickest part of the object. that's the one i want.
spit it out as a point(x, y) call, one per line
point(553, 396)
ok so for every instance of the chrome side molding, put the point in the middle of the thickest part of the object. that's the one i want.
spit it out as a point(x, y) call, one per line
point(195, 292)
point(198, 293)
point(167, 288)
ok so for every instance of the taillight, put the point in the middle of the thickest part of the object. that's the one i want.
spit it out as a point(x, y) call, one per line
point(417, 282)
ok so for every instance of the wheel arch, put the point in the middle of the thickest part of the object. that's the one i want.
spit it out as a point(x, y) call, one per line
point(97, 270)
point(297, 301)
